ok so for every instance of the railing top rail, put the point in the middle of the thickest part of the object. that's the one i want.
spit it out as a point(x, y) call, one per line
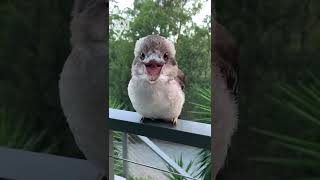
point(185, 132)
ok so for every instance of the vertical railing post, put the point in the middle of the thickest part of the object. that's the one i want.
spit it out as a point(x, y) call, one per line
point(111, 172)
point(125, 155)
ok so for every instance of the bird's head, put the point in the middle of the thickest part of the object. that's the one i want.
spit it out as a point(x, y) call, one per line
point(153, 55)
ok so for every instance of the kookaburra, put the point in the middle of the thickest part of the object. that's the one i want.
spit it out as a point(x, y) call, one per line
point(225, 94)
point(83, 82)
point(156, 86)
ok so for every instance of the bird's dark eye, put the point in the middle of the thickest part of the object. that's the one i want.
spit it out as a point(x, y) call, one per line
point(142, 56)
point(165, 56)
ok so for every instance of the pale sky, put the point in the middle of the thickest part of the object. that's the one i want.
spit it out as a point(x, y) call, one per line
point(206, 10)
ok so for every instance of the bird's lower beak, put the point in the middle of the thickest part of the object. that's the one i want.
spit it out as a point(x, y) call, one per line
point(153, 69)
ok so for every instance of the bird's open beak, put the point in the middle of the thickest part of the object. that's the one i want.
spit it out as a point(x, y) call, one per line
point(153, 69)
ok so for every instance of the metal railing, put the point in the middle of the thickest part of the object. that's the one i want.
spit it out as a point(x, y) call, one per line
point(185, 132)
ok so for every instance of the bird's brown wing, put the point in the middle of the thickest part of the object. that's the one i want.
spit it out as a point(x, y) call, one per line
point(180, 79)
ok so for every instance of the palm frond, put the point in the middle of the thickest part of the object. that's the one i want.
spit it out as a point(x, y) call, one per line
point(180, 163)
point(204, 165)
point(303, 100)
point(18, 132)
point(202, 108)
point(289, 139)
point(116, 104)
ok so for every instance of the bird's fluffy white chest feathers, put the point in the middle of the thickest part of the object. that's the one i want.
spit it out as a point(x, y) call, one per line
point(162, 99)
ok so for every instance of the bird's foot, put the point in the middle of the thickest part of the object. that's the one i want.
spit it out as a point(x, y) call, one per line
point(174, 121)
point(142, 119)
point(145, 120)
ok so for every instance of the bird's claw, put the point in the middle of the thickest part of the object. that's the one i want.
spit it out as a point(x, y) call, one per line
point(142, 119)
point(174, 121)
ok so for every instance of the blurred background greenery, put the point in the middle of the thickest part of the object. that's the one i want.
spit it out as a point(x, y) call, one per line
point(279, 43)
point(33, 48)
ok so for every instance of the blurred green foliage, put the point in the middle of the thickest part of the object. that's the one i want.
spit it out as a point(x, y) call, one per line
point(17, 132)
point(278, 41)
point(34, 45)
point(302, 99)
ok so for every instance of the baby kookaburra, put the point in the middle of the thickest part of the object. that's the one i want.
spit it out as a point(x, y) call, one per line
point(83, 83)
point(156, 86)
